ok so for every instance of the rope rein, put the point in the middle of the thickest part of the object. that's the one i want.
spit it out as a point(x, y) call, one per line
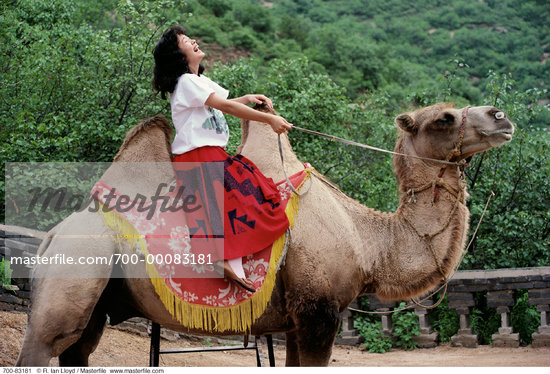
point(366, 146)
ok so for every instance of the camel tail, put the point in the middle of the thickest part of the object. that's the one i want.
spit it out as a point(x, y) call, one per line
point(46, 242)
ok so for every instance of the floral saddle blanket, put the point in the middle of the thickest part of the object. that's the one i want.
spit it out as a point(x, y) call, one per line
point(187, 283)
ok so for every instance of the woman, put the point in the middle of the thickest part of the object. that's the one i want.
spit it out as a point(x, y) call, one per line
point(197, 104)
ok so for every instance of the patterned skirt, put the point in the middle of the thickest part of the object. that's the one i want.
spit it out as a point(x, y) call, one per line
point(252, 215)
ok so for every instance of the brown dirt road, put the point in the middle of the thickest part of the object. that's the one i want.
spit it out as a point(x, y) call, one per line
point(119, 348)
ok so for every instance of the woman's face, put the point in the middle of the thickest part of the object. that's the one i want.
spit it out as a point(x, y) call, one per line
point(191, 49)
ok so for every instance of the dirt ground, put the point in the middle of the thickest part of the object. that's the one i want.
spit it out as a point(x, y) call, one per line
point(120, 348)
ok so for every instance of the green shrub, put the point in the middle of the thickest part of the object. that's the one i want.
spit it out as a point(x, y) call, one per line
point(405, 328)
point(369, 328)
point(204, 27)
point(5, 275)
point(375, 341)
point(444, 320)
point(253, 15)
point(218, 7)
point(524, 318)
point(484, 320)
point(244, 38)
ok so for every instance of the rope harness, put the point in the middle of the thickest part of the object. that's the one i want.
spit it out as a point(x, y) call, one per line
point(438, 182)
point(458, 193)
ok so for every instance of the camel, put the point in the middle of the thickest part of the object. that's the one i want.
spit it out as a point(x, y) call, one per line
point(339, 248)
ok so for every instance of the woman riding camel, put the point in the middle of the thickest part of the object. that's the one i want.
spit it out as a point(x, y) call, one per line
point(197, 104)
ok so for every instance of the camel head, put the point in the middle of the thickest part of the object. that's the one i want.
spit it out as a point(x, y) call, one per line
point(434, 131)
point(433, 201)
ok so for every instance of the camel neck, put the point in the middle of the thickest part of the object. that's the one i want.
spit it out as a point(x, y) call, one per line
point(409, 249)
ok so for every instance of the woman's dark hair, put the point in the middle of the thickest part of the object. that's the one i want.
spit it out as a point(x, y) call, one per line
point(170, 61)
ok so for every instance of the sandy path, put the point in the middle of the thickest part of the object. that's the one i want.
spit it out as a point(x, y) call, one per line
point(119, 348)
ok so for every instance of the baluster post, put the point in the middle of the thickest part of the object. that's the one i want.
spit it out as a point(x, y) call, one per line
point(427, 338)
point(502, 301)
point(541, 298)
point(348, 333)
point(461, 302)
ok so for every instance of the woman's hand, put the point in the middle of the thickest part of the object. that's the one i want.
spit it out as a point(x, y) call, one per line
point(279, 124)
point(259, 99)
point(235, 108)
point(254, 99)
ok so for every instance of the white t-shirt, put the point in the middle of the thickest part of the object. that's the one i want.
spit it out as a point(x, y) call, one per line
point(197, 124)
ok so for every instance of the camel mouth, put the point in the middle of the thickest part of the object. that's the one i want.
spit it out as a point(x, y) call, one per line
point(505, 134)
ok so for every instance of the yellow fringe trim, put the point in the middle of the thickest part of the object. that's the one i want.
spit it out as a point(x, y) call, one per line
point(236, 318)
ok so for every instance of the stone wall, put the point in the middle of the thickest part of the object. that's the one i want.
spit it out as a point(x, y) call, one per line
point(498, 284)
point(18, 241)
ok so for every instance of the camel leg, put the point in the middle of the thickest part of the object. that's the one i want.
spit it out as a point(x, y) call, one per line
point(65, 295)
point(317, 329)
point(292, 354)
point(78, 353)
point(61, 315)
point(34, 354)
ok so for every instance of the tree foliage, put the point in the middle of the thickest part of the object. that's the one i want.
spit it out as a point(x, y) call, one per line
point(489, 35)
point(75, 76)
point(516, 228)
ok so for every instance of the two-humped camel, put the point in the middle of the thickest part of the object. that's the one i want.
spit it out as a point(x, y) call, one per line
point(339, 247)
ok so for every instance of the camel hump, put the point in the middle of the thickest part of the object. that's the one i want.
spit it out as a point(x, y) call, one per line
point(144, 161)
point(148, 141)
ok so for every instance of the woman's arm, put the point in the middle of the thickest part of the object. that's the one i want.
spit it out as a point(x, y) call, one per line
point(238, 109)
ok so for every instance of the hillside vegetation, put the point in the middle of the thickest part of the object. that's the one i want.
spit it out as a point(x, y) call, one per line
point(368, 45)
point(76, 75)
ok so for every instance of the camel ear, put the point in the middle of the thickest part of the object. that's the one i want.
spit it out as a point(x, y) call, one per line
point(407, 123)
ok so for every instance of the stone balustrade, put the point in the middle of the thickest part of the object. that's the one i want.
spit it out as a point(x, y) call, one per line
point(498, 284)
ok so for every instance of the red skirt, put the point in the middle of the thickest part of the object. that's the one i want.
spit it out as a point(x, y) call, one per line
point(252, 215)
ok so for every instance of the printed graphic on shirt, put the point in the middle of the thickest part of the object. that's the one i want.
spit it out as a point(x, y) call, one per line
point(216, 122)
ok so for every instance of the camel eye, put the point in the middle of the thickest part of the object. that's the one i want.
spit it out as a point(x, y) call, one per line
point(500, 115)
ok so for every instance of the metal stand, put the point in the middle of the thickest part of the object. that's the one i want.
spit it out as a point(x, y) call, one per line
point(155, 350)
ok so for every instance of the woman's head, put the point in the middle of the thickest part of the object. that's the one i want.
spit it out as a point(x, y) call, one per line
point(173, 54)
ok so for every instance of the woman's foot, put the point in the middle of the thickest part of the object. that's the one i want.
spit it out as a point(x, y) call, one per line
point(243, 282)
